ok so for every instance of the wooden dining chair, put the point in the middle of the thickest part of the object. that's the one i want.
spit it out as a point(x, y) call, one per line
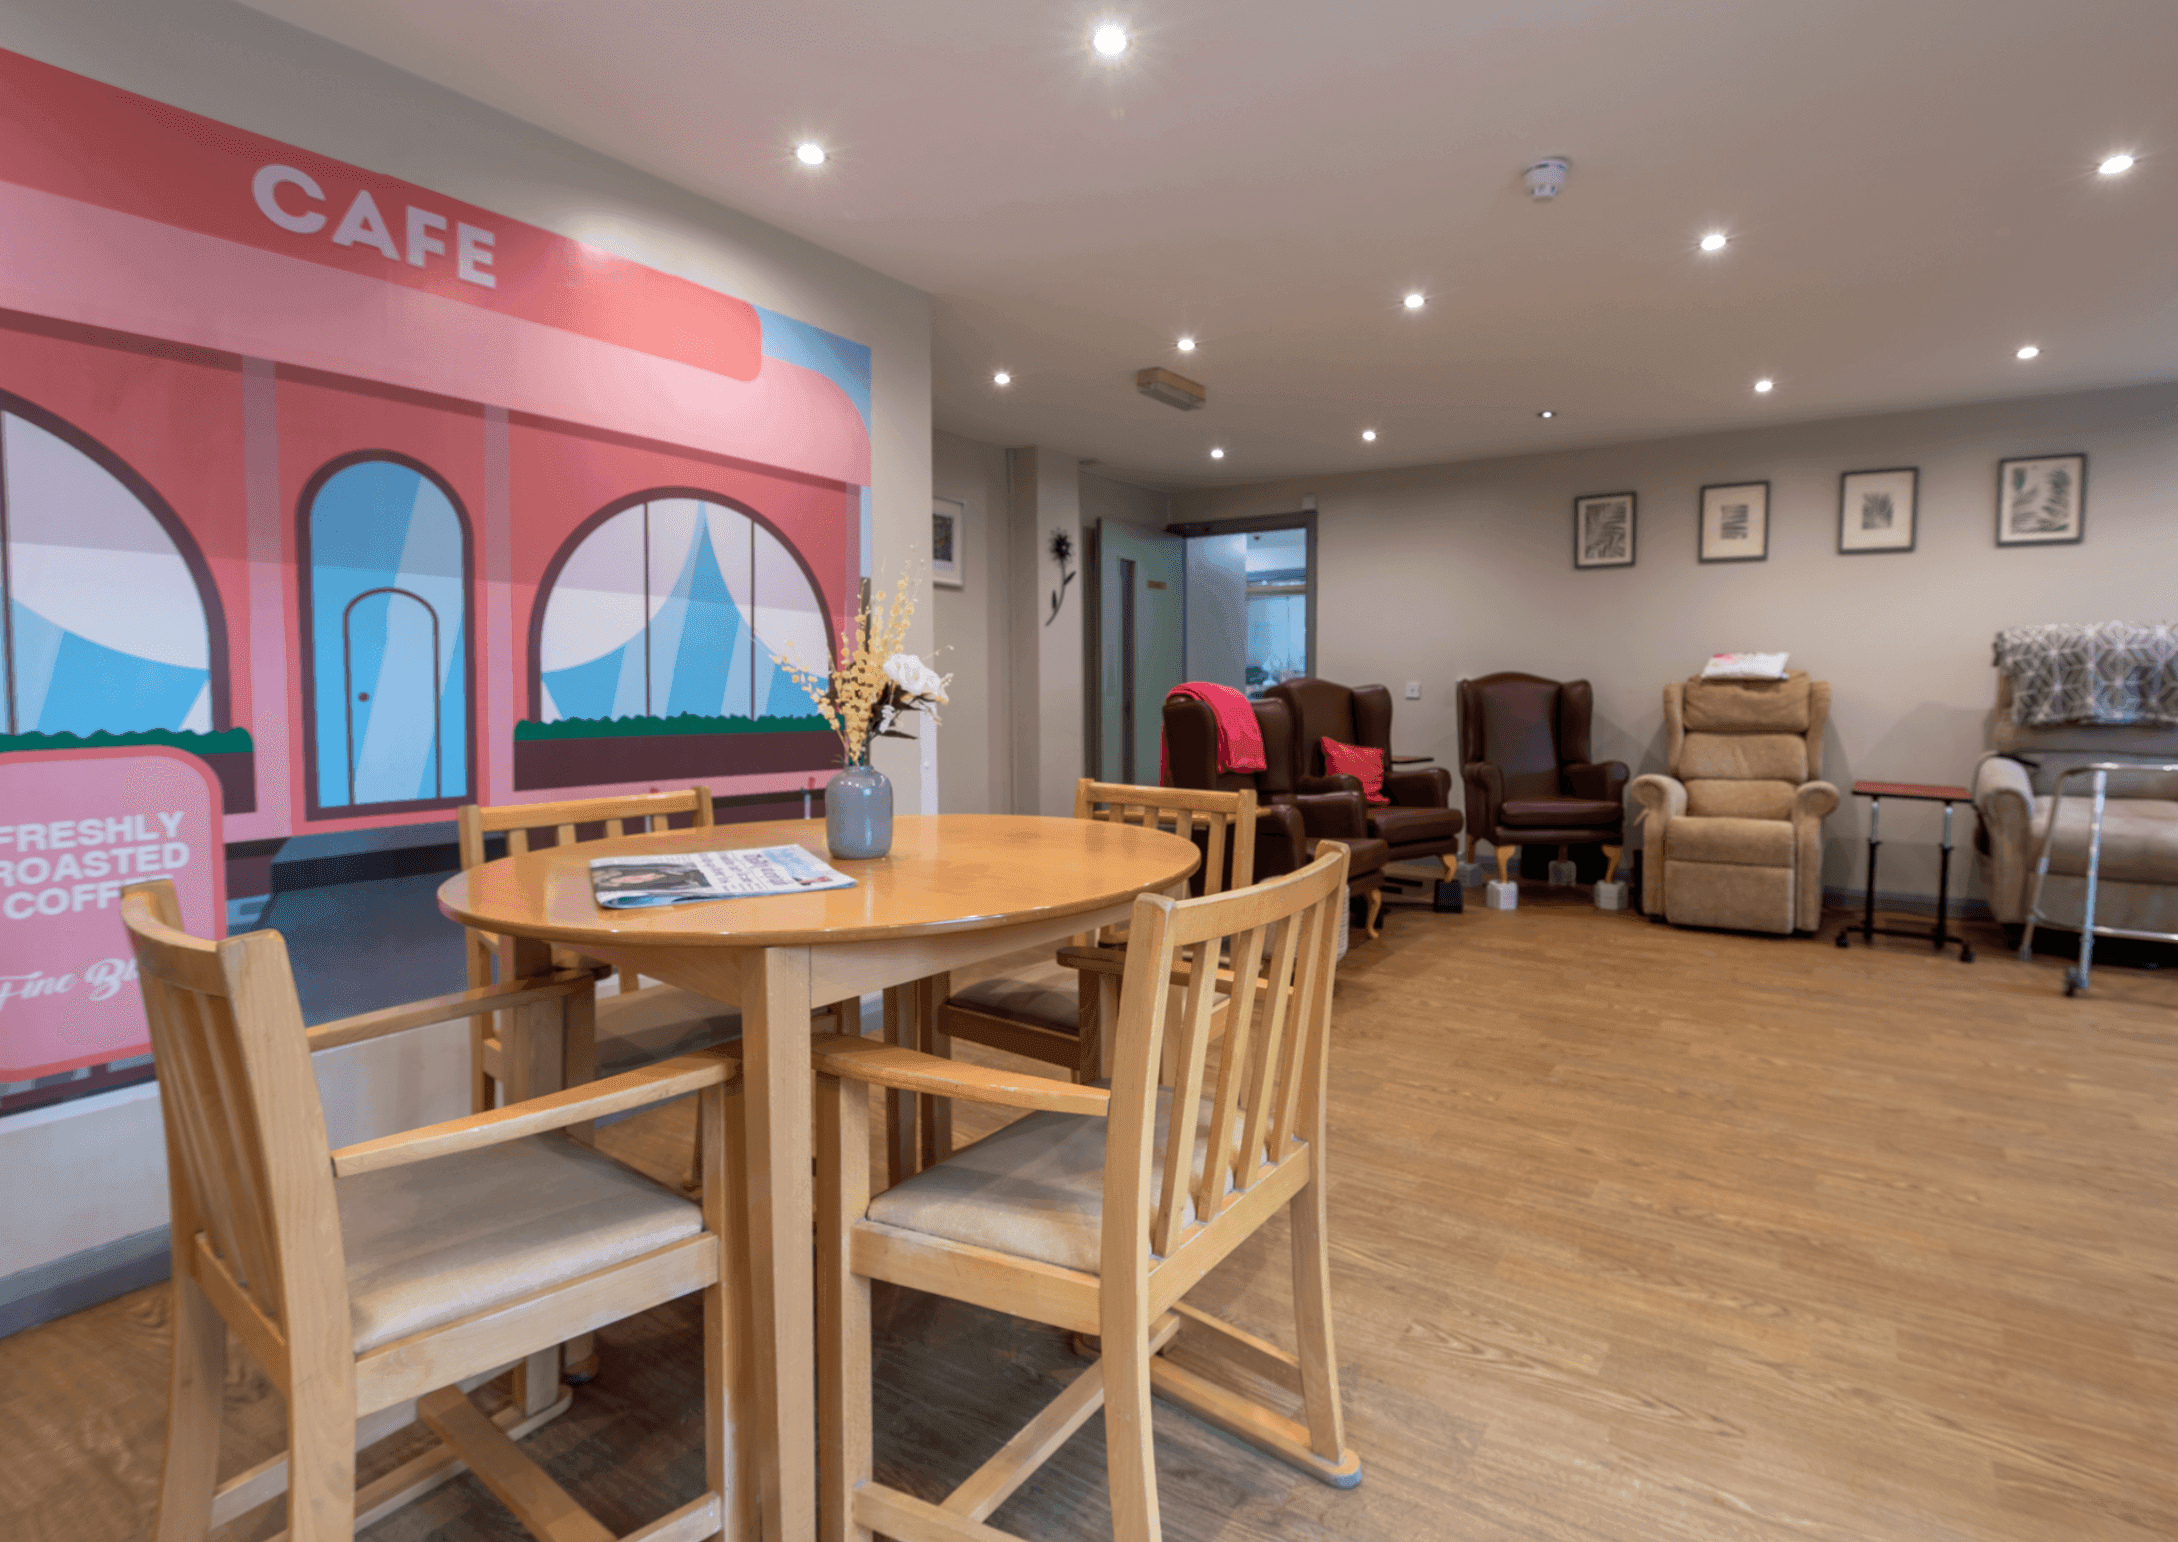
point(403, 1270)
point(639, 1023)
point(1100, 1210)
point(1050, 1009)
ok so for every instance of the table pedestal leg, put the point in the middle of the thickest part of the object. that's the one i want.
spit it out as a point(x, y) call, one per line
point(782, 1270)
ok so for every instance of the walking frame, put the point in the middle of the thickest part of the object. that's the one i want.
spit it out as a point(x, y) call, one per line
point(2076, 978)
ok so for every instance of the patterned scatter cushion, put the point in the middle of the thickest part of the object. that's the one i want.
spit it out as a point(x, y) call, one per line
point(1358, 761)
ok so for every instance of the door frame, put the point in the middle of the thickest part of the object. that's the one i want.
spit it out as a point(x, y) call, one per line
point(1299, 519)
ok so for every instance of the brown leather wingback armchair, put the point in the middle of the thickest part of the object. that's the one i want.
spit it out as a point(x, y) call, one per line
point(1419, 821)
point(1287, 823)
point(1524, 754)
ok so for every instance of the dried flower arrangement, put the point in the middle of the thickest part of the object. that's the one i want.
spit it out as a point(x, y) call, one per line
point(872, 683)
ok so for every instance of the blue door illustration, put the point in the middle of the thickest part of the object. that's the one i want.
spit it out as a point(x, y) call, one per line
point(389, 627)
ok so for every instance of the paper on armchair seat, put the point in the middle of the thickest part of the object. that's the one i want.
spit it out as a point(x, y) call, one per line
point(625, 883)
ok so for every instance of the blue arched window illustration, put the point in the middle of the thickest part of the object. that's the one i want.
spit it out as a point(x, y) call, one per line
point(672, 605)
point(107, 618)
point(386, 552)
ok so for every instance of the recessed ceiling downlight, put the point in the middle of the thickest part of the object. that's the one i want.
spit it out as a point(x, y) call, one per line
point(2116, 165)
point(1414, 299)
point(810, 153)
point(1368, 436)
point(1002, 378)
point(1714, 241)
point(1110, 39)
point(1765, 385)
point(1217, 454)
point(1186, 345)
point(1547, 412)
point(2028, 352)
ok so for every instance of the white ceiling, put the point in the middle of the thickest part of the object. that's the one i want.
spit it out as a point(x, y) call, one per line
point(1909, 184)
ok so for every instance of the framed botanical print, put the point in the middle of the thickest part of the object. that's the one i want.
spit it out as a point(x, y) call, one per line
point(1603, 530)
point(1736, 522)
point(948, 543)
point(1877, 509)
point(2042, 500)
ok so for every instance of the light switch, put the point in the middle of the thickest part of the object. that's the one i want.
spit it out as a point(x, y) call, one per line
point(1414, 690)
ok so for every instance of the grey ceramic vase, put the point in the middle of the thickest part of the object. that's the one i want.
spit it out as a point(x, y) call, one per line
point(858, 814)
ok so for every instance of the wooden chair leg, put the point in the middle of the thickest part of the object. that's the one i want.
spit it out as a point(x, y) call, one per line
point(1505, 855)
point(1312, 1333)
point(190, 1470)
point(936, 1114)
point(843, 1310)
point(321, 1465)
point(901, 1141)
point(1130, 1463)
point(729, 1455)
point(1372, 922)
point(1612, 854)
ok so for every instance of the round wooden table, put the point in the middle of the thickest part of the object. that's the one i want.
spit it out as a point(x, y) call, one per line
point(956, 890)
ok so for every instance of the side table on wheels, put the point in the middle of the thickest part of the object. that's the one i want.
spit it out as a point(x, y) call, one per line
point(1940, 935)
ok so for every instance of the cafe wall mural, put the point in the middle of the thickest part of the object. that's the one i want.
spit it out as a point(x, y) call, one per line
point(328, 504)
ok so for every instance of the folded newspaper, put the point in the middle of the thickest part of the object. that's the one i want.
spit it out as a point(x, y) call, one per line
point(625, 883)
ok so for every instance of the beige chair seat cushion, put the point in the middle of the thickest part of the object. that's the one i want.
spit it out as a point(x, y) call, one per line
point(1743, 842)
point(435, 1241)
point(1034, 1189)
point(1045, 993)
point(2139, 838)
point(637, 1028)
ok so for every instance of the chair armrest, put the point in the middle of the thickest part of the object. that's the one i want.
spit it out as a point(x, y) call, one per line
point(2004, 795)
point(555, 1111)
point(1661, 797)
point(1603, 780)
point(1279, 825)
point(1336, 815)
point(1410, 760)
point(446, 1009)
point(1323, 784)
point(1813, 800)
point(1485, 796)
point(890, 1065)
point(1420, 789)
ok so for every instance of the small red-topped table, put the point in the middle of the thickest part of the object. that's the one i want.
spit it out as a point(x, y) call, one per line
point(1919, 792)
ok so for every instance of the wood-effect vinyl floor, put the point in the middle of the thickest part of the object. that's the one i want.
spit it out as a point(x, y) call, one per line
point(1638, 1234)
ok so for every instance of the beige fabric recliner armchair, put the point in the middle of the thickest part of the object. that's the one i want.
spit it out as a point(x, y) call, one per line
point(1733, 836)
point(2013, 785)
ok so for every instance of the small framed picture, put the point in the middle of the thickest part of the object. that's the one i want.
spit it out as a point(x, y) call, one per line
point(1877, 509)
point(1603, 530)
point(948, 543)
point(2042, 500)
point(1736, 522)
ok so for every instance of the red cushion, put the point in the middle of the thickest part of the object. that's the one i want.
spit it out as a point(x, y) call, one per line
point(1359, 761)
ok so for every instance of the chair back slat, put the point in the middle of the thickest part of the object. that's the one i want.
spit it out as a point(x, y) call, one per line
point(610, 816)
point(1265, 1052)
point(242, 1114)
point(1267, 1095)
point(1197, 1000)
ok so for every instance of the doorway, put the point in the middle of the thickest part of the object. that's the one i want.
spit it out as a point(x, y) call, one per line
point(1230, 602)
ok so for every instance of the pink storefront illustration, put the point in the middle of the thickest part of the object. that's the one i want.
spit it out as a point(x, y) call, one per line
point(361, 503)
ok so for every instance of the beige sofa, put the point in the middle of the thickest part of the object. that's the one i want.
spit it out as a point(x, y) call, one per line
point(1733, 836)
point(2137, 887)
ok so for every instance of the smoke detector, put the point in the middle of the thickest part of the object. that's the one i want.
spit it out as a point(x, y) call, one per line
point(1162, 385)
point(1546, 177)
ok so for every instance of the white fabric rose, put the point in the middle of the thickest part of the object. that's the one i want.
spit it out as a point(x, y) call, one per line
point(916, 678)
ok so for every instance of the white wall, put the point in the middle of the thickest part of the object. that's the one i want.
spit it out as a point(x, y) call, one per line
point(975, 769)
point(1439, 572)
point(77, 1179)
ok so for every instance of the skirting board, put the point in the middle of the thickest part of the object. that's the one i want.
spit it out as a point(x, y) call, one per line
point(83, 1279)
